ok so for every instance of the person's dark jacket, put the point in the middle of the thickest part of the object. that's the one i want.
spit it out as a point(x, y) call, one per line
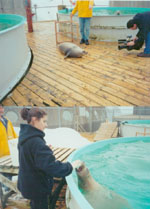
point(142, 20)
point(37, 164)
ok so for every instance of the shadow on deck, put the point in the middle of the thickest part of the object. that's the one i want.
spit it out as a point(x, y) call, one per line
point(103, 77)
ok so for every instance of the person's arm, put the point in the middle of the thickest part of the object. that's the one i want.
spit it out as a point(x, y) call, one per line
point(91, 3)
point(75, 9)
point(46, 162)
point(142, 26)
point(10, 131)
point(141, 35)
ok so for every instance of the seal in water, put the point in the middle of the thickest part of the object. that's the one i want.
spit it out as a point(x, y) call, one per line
point(71, 50)
point(97, 195)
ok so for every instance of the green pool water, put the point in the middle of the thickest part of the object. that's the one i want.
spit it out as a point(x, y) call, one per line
point(108, 11)
point(137, 122)
point(4, 26)
point(8, 21)
point(123, 168)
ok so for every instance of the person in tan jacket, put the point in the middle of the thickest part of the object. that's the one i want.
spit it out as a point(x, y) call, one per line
point(85, 10)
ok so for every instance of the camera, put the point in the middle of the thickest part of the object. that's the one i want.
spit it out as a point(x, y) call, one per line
point(122, 44)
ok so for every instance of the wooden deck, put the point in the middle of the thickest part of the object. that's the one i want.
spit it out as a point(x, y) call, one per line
point(103, 77)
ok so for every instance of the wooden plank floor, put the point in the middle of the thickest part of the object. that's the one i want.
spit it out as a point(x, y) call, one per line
point(103, 77)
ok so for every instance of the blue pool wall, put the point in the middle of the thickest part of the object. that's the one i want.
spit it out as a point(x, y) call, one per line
point(123, 10)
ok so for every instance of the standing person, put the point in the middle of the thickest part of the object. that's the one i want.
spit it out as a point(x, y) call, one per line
point(6, 133)
point(38, 165)
point(85, 9)
point(142, 22)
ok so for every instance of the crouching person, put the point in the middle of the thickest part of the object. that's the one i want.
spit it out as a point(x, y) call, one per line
point(141, 21)
point(38, 165)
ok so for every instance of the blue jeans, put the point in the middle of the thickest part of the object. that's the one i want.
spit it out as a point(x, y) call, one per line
point(147, 44)
point(84, 27)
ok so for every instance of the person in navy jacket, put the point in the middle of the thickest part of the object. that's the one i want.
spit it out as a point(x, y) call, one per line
point(142, 22)
point(37, 164)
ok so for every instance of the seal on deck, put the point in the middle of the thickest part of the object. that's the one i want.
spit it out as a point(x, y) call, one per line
point(71, 50)
point(98, 195)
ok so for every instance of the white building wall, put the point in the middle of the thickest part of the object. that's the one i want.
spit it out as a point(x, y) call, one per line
point(133, 3)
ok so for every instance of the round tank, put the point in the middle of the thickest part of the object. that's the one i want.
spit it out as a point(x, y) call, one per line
point(107, 23)
point(74, 197)
point(15, 55)
point(131, 128)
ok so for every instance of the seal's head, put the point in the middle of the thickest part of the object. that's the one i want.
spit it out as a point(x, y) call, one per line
point(118, 12)
point(84, 177)
point(82, 170)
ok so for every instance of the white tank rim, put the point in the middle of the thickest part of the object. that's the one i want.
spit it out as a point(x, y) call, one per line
point(11, 88)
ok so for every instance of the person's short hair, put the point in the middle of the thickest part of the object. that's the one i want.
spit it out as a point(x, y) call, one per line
point(130, 23)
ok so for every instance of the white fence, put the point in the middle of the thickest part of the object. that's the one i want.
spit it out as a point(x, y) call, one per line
point(83, 119)
point(13, 7)
point(127, 3)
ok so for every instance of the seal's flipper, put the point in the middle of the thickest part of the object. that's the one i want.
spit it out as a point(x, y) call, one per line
point(67, 54)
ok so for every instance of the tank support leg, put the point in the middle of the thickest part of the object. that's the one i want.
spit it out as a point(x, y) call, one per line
point(54, 197)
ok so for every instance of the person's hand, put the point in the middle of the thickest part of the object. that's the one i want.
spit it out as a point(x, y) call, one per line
point(135, 38)
point(72, 2)
point(76, 163)
point(71, 15)
point(131, 43)
point(50, 146)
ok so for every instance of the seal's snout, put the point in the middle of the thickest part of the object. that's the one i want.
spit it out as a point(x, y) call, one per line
point(80, 167)
point(84, 52)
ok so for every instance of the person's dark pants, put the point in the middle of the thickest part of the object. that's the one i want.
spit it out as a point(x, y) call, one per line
point(147, 44)
point(39, 203)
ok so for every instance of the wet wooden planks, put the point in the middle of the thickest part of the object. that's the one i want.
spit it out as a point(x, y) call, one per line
point(6, 165)
point(104, 77)
point(62, 154)
point(106, 131)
